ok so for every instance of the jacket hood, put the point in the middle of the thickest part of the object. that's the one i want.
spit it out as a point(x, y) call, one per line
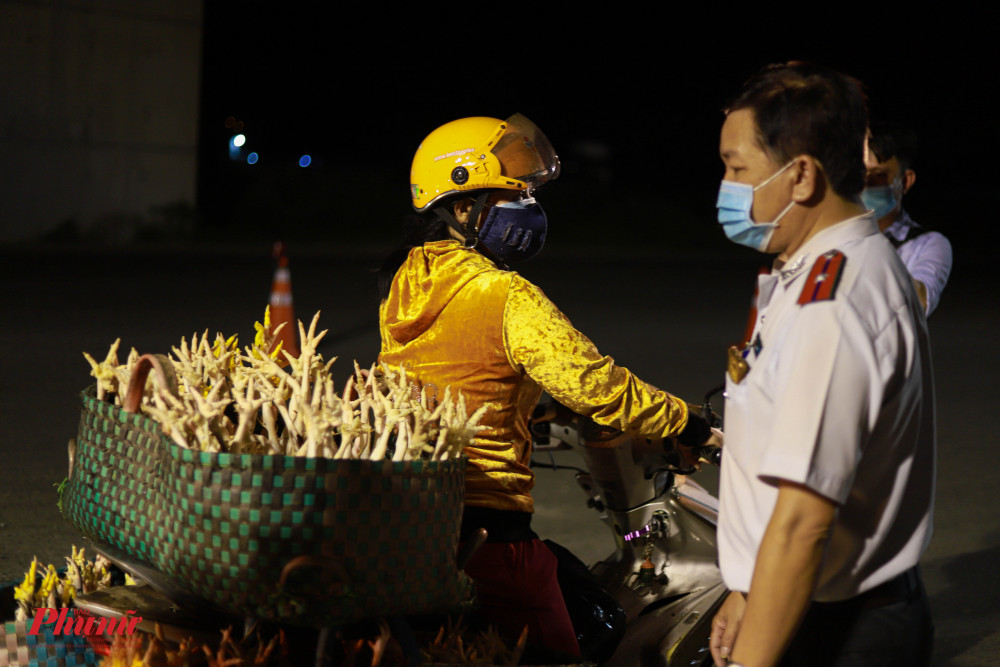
point(427, 281)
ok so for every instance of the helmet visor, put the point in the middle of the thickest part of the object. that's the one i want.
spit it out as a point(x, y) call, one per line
point(525, 153)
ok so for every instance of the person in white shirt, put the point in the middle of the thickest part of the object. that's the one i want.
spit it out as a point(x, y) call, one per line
point(890, 158)
point(826, 489)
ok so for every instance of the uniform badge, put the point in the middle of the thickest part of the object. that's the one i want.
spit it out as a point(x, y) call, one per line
point(821, 284)
point(736, 365)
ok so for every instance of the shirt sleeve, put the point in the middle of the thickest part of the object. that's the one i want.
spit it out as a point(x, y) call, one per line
point(825, 389)
point(541, 342)
point(930, 263)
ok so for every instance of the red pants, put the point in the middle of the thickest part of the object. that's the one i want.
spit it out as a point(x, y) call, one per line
point(516, 586)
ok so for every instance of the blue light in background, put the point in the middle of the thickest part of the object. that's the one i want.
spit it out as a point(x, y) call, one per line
point(305, 161)
point(252, 158)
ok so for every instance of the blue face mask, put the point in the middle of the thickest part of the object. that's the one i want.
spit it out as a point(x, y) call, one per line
point(514, 231)
point(880, 198)
point(735, 203)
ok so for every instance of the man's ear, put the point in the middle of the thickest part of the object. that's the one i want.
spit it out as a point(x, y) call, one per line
point(462, 208)
point(909, 178)
point(810, 180)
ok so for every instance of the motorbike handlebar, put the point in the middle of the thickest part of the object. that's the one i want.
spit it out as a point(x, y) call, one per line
point(555, 427)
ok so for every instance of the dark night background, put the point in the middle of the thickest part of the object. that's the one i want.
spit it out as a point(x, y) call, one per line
point(631, 100)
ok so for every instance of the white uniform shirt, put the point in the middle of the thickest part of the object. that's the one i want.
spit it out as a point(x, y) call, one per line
point(926, 256)
point(839, 397)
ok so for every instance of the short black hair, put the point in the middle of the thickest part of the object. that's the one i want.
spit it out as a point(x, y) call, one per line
point(802, 108)
point(894, 140)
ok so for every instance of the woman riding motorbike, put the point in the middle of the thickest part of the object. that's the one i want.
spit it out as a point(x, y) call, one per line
point(454, 315)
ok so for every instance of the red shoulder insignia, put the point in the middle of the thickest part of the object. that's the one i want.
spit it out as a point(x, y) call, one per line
point(821, 285)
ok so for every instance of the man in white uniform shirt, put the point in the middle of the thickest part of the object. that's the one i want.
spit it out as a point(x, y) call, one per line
point(827, 477)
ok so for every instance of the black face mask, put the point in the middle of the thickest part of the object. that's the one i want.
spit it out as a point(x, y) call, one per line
point(515, 231)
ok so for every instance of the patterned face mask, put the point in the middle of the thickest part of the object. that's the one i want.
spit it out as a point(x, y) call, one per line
point(514, 231)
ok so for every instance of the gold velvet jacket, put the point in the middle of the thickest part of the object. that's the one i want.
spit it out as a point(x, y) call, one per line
point(452, 318)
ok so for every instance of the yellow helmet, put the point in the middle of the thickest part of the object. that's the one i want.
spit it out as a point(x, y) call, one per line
point(480, 153)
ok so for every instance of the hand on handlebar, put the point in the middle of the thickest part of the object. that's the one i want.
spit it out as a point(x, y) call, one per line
point(702, 438)
point(709, 451)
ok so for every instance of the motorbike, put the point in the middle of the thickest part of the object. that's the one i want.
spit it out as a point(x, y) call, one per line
point(651, 601)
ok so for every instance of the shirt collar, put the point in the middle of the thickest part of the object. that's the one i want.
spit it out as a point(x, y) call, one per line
point(830, 238)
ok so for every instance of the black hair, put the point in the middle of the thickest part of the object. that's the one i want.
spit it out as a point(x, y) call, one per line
point(894, 140)
point(418, 229)
point(801, 108)
point(430, 225)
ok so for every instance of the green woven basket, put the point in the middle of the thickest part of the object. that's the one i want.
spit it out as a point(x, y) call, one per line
point(309, 541)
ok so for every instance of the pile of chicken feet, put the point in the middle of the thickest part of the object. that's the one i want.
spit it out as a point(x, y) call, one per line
point(263, 401)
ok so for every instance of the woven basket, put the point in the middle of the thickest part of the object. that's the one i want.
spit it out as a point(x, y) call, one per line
point(18, 648)
point(308, 541)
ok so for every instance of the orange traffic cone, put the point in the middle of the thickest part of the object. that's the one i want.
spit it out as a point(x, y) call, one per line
point(281, 303)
